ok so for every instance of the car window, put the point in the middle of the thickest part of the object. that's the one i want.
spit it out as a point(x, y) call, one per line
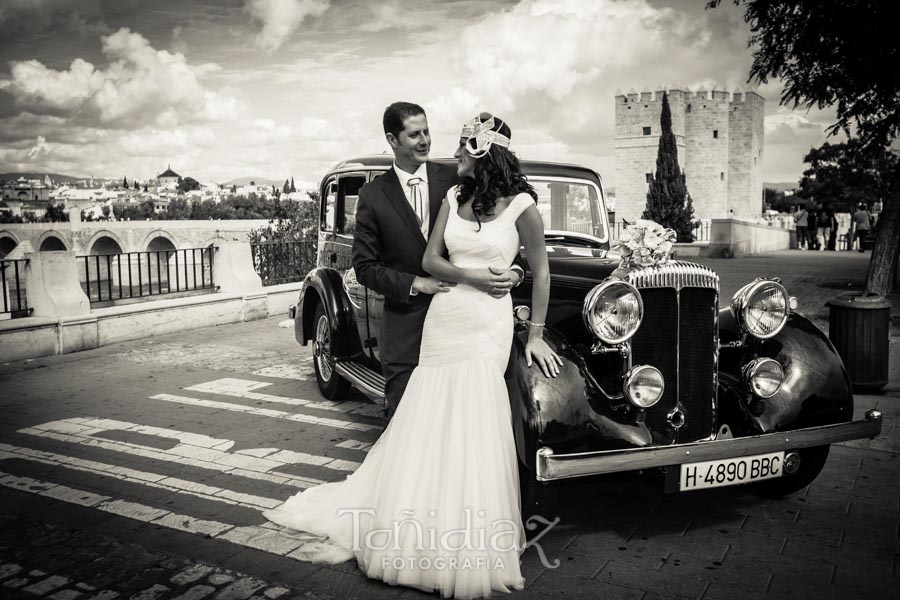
point(348, 197)
point(329, 206)
point(568, 206)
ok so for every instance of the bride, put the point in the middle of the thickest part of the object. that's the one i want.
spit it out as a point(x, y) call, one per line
point(435, 504)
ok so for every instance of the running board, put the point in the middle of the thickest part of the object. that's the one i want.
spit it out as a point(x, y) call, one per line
point(369, 382)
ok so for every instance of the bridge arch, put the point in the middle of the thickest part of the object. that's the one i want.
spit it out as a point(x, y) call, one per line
point(8, 242)
point(51, 241)
point(105, 242)
point(154, 241)
point(212, 241)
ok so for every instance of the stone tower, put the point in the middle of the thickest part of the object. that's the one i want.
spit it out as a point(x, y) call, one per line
point(719, 136)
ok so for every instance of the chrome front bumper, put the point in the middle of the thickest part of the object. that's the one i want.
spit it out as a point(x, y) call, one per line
point(552, 466)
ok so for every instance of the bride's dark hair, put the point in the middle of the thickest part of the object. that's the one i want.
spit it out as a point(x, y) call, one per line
point(497, 174)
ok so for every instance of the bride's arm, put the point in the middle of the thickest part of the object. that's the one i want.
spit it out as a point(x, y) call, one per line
point(531, 232)
point(434, 262)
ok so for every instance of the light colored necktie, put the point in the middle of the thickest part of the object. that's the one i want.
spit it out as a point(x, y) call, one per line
point(415, 198)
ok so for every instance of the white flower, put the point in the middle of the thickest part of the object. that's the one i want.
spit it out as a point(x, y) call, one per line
point(645, 244)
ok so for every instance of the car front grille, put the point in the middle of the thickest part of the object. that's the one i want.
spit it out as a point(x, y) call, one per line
point(679, 336)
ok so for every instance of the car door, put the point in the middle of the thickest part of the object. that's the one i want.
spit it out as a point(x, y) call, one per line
point(348, 186)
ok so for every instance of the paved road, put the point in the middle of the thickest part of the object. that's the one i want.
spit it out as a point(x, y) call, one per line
point(140, 470)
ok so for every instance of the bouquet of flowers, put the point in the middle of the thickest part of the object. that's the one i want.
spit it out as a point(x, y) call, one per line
point(645, 244)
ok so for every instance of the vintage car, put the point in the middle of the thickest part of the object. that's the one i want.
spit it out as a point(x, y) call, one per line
point(656, 376)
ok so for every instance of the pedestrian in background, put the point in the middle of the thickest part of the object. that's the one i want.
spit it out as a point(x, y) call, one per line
point(812, 228)
point(801, 218)
point(862, 222)
point(823, 224)
point(832, 233)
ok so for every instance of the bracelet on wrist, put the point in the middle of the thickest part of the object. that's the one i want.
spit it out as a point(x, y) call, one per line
point(533, 324)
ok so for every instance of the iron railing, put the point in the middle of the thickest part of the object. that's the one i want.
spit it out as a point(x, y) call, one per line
point(108, 277)
point(700, 231)
point(12, 274)
point(283, 262)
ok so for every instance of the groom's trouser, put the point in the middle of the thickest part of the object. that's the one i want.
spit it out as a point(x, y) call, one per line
point(396, 377)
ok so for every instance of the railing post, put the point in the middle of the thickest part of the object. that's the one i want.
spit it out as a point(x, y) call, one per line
point(52, 288)
point(234, 270)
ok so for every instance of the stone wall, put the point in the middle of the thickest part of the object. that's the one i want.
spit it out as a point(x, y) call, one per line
point(130, 236)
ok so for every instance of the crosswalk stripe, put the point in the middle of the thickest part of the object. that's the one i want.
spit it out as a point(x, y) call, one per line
point(214, 459)
point(268, 539)
point(268, 412)
point(355, 445)
point(172, 484)
point(244, 388)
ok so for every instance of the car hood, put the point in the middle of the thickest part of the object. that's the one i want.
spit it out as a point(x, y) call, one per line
point(580, 267)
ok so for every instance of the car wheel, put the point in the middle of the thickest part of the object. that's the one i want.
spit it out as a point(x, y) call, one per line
point(538, 497)
point(332, 385)
point(812, 460)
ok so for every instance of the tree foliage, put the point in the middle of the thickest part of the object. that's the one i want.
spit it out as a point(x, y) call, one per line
point(845, 174)
point(294, 222)
point(188, 184)
point(841, 54)
point(777, 200)
point(55, 213)
point(668, 202)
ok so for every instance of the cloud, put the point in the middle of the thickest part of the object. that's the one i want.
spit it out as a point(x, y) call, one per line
point(140, 86)
point(280, 18)
point(27, 16)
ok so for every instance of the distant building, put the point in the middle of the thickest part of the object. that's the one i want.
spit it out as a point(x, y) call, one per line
point(719, 136)
point(25, 197)
point(24, 191)
point(168, 177)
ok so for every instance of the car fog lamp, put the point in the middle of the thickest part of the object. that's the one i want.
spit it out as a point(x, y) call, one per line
point(761, 308)
point(764, 376)
point(613, 311)
point(644, 386)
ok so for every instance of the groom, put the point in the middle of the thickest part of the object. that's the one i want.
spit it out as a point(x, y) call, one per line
point(395, 214)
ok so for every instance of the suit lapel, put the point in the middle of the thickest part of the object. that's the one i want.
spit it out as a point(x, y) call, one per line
point(437, 189)
point(397, 199)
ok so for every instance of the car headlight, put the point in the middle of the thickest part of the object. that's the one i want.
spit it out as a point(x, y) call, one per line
point(761, 308)
point(644, 386)
point(613, 311)
point(764, 377)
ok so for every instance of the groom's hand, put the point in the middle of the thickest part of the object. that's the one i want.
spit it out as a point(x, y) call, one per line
point(430, 285)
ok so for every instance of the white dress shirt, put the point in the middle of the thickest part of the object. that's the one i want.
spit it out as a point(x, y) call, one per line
point(404, 177)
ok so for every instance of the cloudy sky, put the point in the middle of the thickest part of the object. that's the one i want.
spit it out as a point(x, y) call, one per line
point(277, 88)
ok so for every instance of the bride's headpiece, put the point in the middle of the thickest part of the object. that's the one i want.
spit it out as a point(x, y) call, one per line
point(480, 136)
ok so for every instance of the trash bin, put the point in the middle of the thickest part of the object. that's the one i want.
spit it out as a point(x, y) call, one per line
point(859, 325)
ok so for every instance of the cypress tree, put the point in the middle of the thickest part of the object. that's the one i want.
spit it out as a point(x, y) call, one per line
point(668, 202)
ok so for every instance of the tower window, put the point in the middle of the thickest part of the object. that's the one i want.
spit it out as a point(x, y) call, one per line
point(649, 177)
point(646, 131)
point(722, 176)
point(715, 133)
point(689, 108)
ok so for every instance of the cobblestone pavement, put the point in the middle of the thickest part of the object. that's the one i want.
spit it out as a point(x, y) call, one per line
point(139, 471)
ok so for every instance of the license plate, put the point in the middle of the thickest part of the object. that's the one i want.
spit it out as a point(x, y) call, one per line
point(730, 471)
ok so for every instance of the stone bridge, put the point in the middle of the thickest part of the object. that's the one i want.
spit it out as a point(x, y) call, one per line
point(113, 237)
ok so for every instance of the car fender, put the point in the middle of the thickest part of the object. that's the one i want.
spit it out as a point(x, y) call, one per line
point(567, 413)
point(324, 285)
point(816, 389)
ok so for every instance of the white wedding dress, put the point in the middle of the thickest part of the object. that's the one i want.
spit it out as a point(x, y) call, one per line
point(447, 460)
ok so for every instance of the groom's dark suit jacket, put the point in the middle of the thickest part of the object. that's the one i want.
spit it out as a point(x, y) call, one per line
point(388, 247)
